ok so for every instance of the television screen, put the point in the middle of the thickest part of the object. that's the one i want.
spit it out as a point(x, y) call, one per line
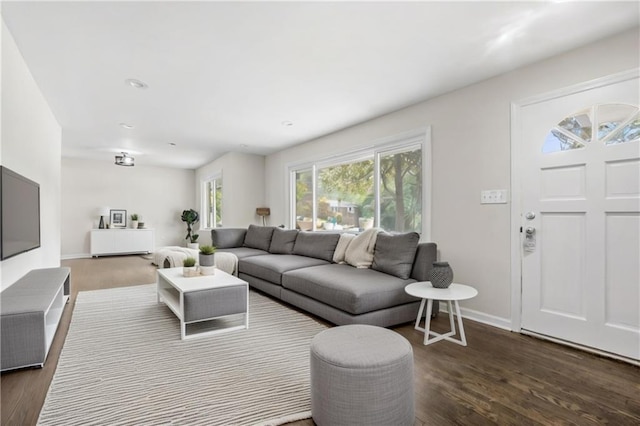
point(20, 207)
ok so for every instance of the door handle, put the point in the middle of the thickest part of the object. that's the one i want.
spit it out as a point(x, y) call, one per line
point(530, 230)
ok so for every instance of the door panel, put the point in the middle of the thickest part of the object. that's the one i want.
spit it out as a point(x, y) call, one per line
point(562, 283)
point(623, 271)
point(580, 170)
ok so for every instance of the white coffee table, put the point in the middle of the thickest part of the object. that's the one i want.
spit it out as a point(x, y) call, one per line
point(428, 294)
point(203, 298)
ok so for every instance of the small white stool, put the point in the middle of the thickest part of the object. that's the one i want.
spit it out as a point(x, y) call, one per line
point(428, 294)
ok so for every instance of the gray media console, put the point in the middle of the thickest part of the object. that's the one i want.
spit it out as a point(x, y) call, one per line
point(30, 311)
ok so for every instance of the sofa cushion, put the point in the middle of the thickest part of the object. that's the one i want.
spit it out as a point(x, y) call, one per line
point(425, 256)
point(227, 237)
point(270, 267)
point(282, 241)
point(359, 253)
point(320, 245)
point(341, 247)
point(353, 290)
point(243, 252)
point(259, 237)
point(394, 254)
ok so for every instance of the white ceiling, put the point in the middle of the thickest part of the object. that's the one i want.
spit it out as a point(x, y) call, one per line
point(223, 76)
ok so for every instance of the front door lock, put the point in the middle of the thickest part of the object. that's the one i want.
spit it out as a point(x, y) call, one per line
point(529, 244)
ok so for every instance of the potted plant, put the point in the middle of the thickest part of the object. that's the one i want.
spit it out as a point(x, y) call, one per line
point(134, 221)
point(207, 255)
point(190, 217)
point(207, 260)
point(189, 268)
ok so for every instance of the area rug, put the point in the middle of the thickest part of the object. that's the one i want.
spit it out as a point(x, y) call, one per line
point(123, 363)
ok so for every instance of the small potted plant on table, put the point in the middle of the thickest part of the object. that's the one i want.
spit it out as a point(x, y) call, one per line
point(134, 221)
point(189, 268)
point(207, 260)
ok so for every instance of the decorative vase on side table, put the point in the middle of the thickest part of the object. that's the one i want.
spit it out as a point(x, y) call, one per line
point(441, 275)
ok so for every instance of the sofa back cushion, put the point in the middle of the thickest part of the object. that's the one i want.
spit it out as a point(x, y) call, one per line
point(425, 256)
point(320, 245)
point(282, 241)
point(227, 237)
point(259, 237)
point(394, 254)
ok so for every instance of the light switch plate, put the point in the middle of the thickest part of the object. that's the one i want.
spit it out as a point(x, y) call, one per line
point(493, 196)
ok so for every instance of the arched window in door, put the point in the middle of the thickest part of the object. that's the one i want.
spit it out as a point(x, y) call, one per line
point(616, 123)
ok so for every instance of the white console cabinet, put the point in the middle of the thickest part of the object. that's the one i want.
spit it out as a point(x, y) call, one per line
point(106, 242)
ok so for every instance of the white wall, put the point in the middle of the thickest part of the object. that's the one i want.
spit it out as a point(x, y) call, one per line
point(157, 194)
point(471, 152)
point(31, 146)
point(242, 189)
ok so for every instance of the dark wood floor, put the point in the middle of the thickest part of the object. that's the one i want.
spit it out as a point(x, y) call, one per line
point(499, 378)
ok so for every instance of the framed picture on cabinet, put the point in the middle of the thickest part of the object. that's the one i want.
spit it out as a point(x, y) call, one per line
point(118, 218)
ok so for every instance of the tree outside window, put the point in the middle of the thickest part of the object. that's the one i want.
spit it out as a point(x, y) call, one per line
point(345, 193)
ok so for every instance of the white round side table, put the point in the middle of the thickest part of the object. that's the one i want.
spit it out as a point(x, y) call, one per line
point(428, 294)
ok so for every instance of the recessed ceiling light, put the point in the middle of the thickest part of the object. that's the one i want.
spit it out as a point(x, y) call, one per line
point(136, 83)
point(127, 126)
point(287, 123)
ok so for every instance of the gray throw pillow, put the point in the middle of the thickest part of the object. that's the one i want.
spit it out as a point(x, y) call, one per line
point(394, 254)
point(319, 245)
point(227, 237)
point(282, 241)
point(259, 237)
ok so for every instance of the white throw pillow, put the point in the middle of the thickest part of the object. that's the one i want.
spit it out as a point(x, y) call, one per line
point(360, 250)
point(341, 248)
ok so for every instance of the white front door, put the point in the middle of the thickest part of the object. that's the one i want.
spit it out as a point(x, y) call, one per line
point(580, 168)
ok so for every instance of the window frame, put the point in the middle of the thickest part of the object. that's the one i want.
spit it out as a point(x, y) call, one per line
point(418, 138)
point(204, 182)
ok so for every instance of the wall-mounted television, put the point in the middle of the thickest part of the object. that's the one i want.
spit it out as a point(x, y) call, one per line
point(20, 214)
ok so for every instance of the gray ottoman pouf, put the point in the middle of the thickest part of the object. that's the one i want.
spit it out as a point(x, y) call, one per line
point(361, 375)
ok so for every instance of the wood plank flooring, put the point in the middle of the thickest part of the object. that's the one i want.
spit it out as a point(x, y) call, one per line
point(499, 378)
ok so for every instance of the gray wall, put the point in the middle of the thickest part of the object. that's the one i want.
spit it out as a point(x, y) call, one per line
point(31, 146)
point(157, 194)
point(470, 134)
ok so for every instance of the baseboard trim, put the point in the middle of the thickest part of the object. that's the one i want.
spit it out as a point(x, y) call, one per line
point(492, 320)
point(75, 256)
point(581, 347)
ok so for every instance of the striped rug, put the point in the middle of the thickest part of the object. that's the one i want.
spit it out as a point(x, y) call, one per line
point(123, 363)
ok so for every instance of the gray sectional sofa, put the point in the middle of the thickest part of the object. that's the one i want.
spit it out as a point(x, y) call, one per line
point(298, 267)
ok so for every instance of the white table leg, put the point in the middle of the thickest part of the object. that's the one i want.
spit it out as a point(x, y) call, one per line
point(427, 322)
point(444, 336)
point(417, 326)
point(452, 324)
point(463, 338)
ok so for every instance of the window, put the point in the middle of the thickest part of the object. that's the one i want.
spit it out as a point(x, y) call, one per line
point(401, 190)
point(212, 203)
point(617, 123)
point(343, 186)
point(380, 186)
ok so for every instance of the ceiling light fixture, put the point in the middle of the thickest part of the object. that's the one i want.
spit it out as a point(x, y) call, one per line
point(127, 126)
point(287, 123)
point(136, 83)
point(124, 160)
point(172, 143)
